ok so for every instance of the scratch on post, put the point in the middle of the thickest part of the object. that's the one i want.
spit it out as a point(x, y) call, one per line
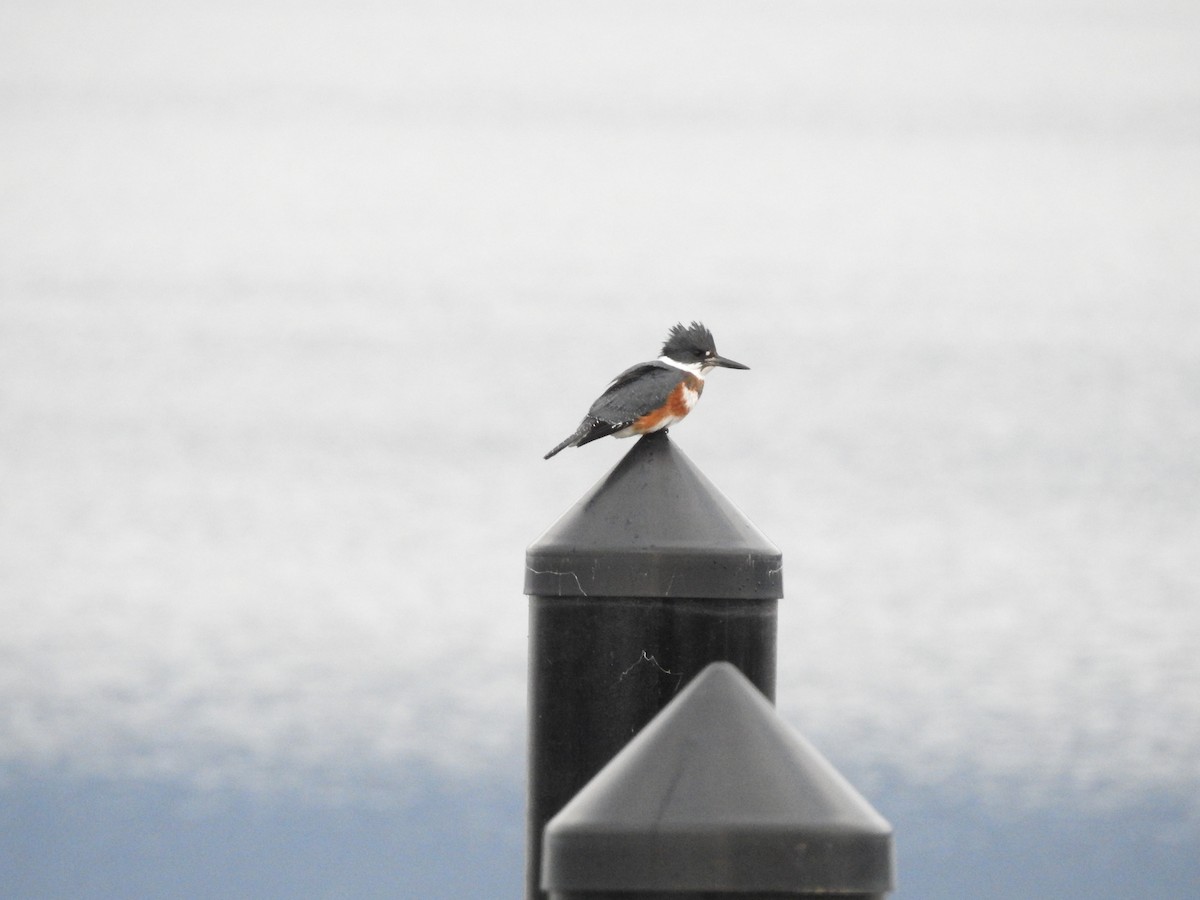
point(578, 583)
point(649, 657)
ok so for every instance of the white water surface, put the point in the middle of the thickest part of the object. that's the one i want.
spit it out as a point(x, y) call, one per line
point(294, 297)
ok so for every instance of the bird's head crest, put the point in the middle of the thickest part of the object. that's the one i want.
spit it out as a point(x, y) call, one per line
point(688, 343)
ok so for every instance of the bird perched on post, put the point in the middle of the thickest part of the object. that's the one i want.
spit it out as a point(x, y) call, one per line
point(652, 396)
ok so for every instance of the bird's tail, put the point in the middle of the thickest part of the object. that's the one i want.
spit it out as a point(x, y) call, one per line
point(573, 440)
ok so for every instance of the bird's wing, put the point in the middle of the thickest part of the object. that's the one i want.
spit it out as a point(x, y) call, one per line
point(635, 392)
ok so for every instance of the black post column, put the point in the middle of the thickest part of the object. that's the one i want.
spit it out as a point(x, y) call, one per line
point(650, 577)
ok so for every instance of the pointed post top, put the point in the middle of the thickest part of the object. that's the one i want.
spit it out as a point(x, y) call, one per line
point(718, 793)
point(654, 526)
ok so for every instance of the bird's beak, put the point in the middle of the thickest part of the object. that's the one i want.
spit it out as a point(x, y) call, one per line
point(728, 363)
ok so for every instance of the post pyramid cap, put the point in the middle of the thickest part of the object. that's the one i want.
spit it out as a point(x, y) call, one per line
point(654, 526)
point(718, 793)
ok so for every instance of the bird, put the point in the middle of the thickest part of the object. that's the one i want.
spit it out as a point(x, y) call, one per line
point(652, 396)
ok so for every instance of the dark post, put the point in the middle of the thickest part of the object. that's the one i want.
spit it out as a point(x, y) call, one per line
point(650, 577)
point(718, 798)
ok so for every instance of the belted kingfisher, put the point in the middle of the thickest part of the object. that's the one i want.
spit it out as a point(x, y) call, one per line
point(652, 396)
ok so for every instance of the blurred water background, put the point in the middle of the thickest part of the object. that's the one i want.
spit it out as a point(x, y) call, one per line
point(294, 297)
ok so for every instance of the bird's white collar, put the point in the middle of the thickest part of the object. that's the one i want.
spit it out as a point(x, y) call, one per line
point(697, 368)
